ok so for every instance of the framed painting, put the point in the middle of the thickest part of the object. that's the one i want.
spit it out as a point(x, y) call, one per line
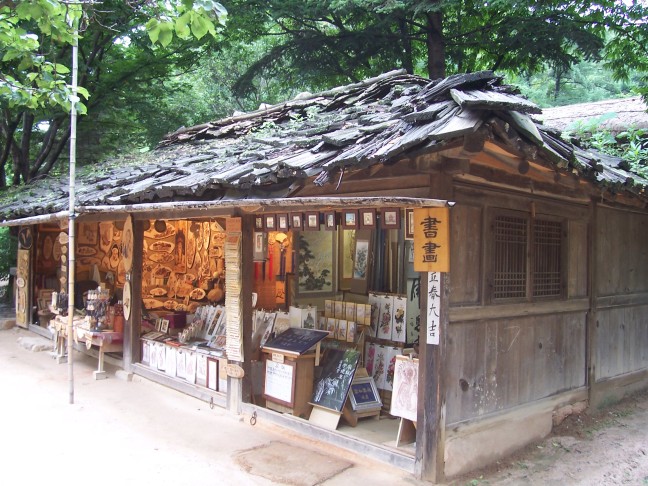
point(368, 218)
point(297, 221)
point(258, 223)
point(282, 222)
point(311, 221)
point(330, 221)
point(316, 264)
point(409, 225)
point(362, 257)
point(391, 218)
point(350, 219)
point(270, 222)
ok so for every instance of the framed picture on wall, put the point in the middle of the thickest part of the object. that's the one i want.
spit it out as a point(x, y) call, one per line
point(297, 221)
point(391, 218)
point(316, 263)
point(311, 221)
point(270, 222)
point(350, 219)
point(282, 222)
point(330, 221)
point(409, 224)
point(258, 223)
point(368, 218)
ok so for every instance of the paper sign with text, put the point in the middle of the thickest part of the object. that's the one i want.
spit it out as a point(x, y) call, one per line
point(431, 240)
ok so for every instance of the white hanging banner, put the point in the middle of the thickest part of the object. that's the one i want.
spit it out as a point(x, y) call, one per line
point(433, 307)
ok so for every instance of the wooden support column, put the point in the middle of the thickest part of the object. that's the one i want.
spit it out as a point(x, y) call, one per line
point(431, 414)
point(247, 271)
point(592, 317)
point(132, 327)
point(239, 390)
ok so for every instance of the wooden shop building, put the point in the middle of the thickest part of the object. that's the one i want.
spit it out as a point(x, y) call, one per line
point(238, 246)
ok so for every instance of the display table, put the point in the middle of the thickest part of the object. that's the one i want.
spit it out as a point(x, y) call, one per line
point(106, 341)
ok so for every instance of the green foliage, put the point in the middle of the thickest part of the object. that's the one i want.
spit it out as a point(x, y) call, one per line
point(9, 244)
point(327, 42)
point(118, 66)
point(630, 145)
point(586, 81)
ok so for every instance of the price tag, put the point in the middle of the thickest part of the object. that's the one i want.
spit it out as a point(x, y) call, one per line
point(277, 357)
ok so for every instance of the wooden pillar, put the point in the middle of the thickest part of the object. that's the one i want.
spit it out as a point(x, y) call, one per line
point(592, 317)
point(239, 390)
point(132, 327)
point(431, 414)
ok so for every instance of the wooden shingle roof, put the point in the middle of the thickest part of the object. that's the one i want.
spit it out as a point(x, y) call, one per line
point(377, 121)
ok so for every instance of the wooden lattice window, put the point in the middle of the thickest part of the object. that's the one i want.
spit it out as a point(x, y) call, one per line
point(510, 263)
point(547, 250)
point(527, 257)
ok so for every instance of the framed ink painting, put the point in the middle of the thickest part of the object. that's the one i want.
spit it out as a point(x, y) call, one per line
point(316, 264)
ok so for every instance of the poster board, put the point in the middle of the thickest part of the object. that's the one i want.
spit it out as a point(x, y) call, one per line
point(280, 382)
point(338, 370)
point(405, 393)
point(364, 395)
point(295, 341)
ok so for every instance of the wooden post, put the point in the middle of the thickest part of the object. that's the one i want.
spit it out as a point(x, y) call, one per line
point(132, 327)
point(239, 390)
point(431, 414)
point(590, 332)
point(247, 272)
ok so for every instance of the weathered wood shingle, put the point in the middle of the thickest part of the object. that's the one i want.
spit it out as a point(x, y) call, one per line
point(375, 121)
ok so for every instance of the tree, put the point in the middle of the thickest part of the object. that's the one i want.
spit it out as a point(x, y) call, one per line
point(330, 40)
point(124, 46)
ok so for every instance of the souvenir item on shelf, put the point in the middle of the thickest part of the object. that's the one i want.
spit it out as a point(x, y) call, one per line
point(375, 303)
point(342, 330)
point(390, 361)
point(350, 311)
point(351, 332)
point(380, 366)
point(331, 327)
point(399, 320)
point(413, 311)
point(385, 317)
point(370, 352)
point(282, 322)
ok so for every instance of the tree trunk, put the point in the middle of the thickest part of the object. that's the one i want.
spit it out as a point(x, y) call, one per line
point(435, 46)
point(408, 62)
point(8, 129)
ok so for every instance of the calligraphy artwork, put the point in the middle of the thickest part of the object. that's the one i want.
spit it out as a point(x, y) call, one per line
point(338, 369)
point(431, 240)
point(433, 307)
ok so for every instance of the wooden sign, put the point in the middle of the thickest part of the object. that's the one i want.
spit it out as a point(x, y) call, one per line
point(432, 240)
point(234, 370)
point(338, 369)
point(279, 382)
point(364, 395)
point(295, 341)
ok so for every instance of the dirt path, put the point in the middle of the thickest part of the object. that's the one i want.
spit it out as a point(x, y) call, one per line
point(607, 447)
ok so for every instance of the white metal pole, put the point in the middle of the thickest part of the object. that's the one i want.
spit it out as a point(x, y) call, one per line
point(72, 215)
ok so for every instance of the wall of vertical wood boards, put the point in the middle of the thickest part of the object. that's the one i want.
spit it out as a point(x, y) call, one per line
point(622, 287)
point(502, 355)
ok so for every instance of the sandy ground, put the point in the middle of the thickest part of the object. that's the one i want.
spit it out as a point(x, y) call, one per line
point(602, 447)
point(141, 433)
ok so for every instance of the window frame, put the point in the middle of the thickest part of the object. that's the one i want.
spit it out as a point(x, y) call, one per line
point(530, 250)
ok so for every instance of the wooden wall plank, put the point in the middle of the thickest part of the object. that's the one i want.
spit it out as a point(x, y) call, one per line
point(502, 364)
point(465, 264)
point(577, 254)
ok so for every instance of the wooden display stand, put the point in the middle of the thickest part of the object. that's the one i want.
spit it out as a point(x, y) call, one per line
point(289, 382)
point(406, 432)
point(351, 416)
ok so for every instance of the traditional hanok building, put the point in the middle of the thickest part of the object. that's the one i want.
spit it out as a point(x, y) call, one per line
point(307, 214)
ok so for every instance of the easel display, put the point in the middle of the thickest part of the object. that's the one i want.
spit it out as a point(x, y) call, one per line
point(290, 360)
point(405, 398)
